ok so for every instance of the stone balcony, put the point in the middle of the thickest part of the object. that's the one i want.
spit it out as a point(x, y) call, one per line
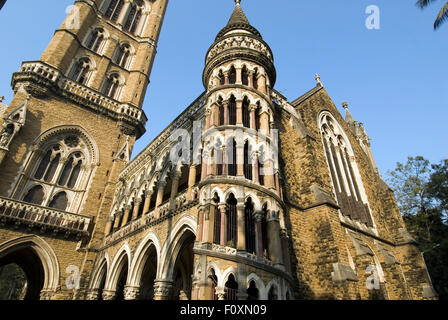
point(20, 214)
point(47, 78)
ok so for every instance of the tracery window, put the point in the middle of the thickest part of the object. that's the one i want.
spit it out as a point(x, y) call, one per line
point(134, 17)
point(111, 85)
point(81, 70)
point(123, 55)
point(343, 171)
point(95, 40)
point(57, 173)
point(114, 9)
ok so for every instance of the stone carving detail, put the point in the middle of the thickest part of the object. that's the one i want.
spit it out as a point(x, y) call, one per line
point(93, 294)
point(131, 293)
point(12, 125)
point(108, 295)
point(241, 42)
point(162, 289)
point(389, 258)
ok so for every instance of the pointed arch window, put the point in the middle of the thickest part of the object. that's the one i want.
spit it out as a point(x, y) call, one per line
point(217, 222)
point(81, 70)
point(112, 85)
point(35, 195)
point(245, 76)
point(232, 75)
point(123, 55)
point(247, 161)
point(231, 212)
point(252, 292)
point(258, 117)
point(96, 39)
point(232, 111)
point(59, 201)
point(221, 112)
point(114, 9)
point(246, 113)
point(133, 19)
point(250, 226)
point(222, 78)
point(60, 166)
point(231, 158)
point(255, 79)
point(231, 288)
point(343, 171)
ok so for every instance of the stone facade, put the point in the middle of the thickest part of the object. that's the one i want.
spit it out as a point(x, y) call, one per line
point(244, 196)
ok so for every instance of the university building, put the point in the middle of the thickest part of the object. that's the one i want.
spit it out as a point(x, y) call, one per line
point(244, 196)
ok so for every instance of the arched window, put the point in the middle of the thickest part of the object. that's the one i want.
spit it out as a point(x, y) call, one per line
point(246, 113)
point(255, 79)
point(232, 75)
point(59, 201)
point(122, 56)
point(245, 76)
point(111, 86)
point(61, 165)
point(231, 221)
point(222, 78)
point(114, 9)
point(231, 158)
point(134, 16)
point(214, 283)
point(231, 288)
point(71, 170)
point(219, 159)
point(81, 70)
point(35, 195)
point(232, 111)
point(273, 295)
point(260, 159)
point(247, 162)
point(257, 116)
point(264, 231)
point(96, 39)
point(217, 222)
point(250, 226)
point(343, 171)
point(221, 112)
point(252, 292)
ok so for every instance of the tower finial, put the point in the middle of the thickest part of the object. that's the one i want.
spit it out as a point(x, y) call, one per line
point(237, 2)
point(319, 82)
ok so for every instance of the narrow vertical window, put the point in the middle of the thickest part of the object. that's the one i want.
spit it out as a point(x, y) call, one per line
point(245, 76)
point(246, 113)
point(250, 226)
point(232, 111)
point(95, 41)
point(231, 221)
point(232, 75)
point(35, 196)
point(247, 162)
point(81, 70)
point(59, 201)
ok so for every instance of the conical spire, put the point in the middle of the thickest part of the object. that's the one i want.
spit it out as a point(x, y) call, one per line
point(238, 20)
point(348, 116)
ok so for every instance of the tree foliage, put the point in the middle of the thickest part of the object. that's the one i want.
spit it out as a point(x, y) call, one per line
point(421, 190)
point(442, 16)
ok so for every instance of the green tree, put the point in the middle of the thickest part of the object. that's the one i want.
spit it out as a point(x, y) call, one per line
point(441, 17)
point(422, 194)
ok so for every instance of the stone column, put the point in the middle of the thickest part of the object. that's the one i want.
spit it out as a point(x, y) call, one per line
point(226, 77)
point(174, 188)
point(264, 123)
point(127, 211)
point(259, 234)
point(136, 209)
point(274, 244)
point(253, 124)
point(269, 174)
point(222, 209)
point(148, 196)
point(251, 79)
point(162, 289)
point(109, 224)
point(93, 294)
point(241, 226)
point(239, 78)
point(277, 183)
point(239, 112)
point(262, 84)
point(159, 200)
point(255, 171)
point(131, 293)
point(109, 295)
point(240, 160)
point(226, 112)
point(201, 224)
point(207, 119)
point(204, 167)
point(221, 293)
point(224, 161)
point(117, 220)
point(191, 181)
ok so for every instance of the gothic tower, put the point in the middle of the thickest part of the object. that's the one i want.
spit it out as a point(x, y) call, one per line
point(66, 135)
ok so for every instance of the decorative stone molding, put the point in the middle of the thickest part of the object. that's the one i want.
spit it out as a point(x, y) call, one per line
point(93, 294)
point(221, 293)
point(389, 258)
point(162, 289)
point(109, 295)
point(342, 272)
point(360, 246)
point(131, 293)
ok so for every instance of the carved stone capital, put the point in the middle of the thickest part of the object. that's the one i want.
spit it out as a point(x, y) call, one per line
point(108, 295)
point(162, 289)
point(131, 293)
point(93, 294)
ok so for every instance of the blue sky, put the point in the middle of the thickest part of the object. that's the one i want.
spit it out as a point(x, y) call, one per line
point(395, 79)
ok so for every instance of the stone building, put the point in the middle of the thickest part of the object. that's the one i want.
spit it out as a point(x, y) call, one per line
point(243, 196)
